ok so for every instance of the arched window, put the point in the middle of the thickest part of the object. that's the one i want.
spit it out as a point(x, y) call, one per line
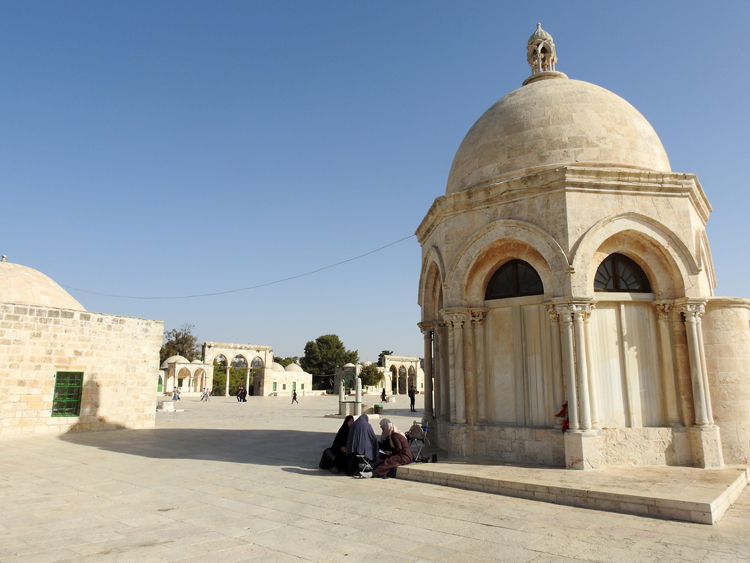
point(257, 363)
point(239, 361)
point(514, 279)
point(619, 273)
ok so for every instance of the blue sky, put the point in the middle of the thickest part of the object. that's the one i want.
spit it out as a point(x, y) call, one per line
point(177, 148)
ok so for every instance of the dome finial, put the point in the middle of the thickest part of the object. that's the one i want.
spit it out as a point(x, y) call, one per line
point(540, 51)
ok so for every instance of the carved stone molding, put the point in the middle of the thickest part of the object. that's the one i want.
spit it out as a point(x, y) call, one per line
point(664, 309)
point(692, 309)
point(478, 316)
point(456, 317)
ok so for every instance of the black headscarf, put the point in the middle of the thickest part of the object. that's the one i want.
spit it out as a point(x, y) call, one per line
point(361, 439)
point(340, 440)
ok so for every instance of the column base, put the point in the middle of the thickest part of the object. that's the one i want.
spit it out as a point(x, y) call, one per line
point(581, 450)
point(705, 447)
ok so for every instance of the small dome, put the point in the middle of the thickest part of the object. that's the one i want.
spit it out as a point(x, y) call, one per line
point(552, 123)
point(277, 367)
point(349, 365)
point(293, 367)
point(197, 361)
point(25, 286)
point(365, 364)
point(176, 359)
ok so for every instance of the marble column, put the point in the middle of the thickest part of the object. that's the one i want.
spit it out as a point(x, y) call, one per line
point(558, 385)
point(456, 319)
point(588, 342)
point(247, 380)
point(582, 376)
point(442, 386)
point(228, 369)
point(428, 373)
point(565, 314)
point(663, 310)
point(478, 317)
point(701, 398)
point(470, 382)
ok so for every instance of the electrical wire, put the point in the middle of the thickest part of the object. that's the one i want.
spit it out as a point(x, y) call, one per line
point(242, 288)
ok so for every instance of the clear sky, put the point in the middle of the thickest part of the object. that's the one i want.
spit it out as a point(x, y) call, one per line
point(177, 148)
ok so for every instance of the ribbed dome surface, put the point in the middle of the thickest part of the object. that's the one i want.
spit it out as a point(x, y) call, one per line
point(555, 122)
point(26, 286)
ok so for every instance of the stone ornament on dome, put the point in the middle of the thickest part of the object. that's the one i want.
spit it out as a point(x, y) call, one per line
point(540, 51)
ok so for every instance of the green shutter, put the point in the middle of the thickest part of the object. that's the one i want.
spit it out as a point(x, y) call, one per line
point(68, 390)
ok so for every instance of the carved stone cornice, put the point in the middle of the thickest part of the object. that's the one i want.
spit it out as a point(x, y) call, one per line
point(426, 326)
point(567, 310)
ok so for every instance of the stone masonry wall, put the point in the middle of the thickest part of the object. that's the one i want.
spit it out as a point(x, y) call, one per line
point(119, 357)
point(726, 337)
point(644, 446)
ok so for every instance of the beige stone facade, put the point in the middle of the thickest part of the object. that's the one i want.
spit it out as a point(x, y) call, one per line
point(118, 356)
point(561, 176)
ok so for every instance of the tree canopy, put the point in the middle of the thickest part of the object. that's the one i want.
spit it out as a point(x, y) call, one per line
point(325, 353)
point(180, 341)
point(284, 361)
point(381, 357)
point(370, 375)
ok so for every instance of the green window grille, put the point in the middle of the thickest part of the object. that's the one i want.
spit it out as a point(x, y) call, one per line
point(294, 385)
point(68, 389)
point(274, 386)
point(283, 386)
point(302, 385)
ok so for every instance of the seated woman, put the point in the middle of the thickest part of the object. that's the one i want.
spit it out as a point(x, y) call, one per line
point(400, 452)
point(361, 441)
point(334, 458)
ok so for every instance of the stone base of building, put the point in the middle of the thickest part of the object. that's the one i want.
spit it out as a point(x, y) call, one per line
point(705, 443)
point(610, 447)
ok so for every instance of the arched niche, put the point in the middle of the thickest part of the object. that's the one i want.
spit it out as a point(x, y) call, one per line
point(431, 292)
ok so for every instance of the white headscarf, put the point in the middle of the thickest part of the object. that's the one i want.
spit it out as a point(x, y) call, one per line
point(388, 430)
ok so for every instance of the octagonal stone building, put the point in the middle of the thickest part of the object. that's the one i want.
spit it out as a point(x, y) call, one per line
point(567, 292)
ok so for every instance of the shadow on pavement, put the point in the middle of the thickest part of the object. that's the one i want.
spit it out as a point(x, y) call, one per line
point(260, 447)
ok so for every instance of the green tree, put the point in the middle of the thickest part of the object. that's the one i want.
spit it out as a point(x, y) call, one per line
point(381, 357)
point(325, 353)
point(237, 378)
point(370, 375)
point(180, 341)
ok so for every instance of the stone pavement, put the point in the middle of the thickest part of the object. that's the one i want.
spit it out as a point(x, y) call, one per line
point(230, 482)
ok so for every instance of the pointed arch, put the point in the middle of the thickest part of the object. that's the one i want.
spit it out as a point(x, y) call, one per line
point(431, 280)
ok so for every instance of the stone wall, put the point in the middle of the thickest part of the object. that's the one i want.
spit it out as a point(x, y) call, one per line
point(726, 336)
point(538, 446)
point(644, 446)
point(119, 357)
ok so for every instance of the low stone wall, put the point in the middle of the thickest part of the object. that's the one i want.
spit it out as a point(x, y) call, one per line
point(119, 357)
point(539, 446)
point(644, 446)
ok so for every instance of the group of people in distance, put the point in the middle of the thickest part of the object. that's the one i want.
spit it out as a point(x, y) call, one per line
point(357, 438)
point(242, 395)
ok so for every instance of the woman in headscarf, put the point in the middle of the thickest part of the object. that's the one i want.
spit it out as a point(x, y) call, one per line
point(399, 448)
point(335, 456)
point(361, 441)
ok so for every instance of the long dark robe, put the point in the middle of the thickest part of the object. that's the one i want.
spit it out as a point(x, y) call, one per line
point(361, 441)
point(401, 455)
point(340, 442)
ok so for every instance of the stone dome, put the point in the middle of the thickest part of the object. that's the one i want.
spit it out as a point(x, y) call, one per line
point(277, 367)
point(555, 121)
point(25, 286)
point(293, 367)
point(176, 359)
point(349, 365)
point(196, 361)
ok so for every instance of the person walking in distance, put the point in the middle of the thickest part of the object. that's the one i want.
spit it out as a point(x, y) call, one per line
point(412, 398)
point(294, 396)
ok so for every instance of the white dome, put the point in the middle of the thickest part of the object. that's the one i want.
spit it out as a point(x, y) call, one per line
point(293, 367)
point(196, 361)
point(555, 122)
point(176, 359)
point(349, 365)
point(277, 367)
point(26, 286)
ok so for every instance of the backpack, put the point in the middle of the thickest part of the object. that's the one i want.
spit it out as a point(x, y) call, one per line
point(415, 432)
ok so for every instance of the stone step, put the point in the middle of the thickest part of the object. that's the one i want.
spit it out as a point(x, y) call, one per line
point(672, 493)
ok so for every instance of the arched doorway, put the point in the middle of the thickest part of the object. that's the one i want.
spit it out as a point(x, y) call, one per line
point(183, 379)
point(238, 374)
point(394, 380)
point(412, 382)
point(220, 374)
point(401, 380)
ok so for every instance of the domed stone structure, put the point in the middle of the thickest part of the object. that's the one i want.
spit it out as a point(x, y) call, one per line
point(567, 292)
point(176, 359)
point(293, 367)
point(64, 369)
point(26, 286)
point(555, 122)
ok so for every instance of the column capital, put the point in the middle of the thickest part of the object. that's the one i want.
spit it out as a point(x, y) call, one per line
point(663, 309)
point(692, 308)
point(456, 316)
point(478, 316)
point(426, 326)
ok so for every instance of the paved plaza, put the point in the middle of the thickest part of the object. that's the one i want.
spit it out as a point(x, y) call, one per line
point(230, 482)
